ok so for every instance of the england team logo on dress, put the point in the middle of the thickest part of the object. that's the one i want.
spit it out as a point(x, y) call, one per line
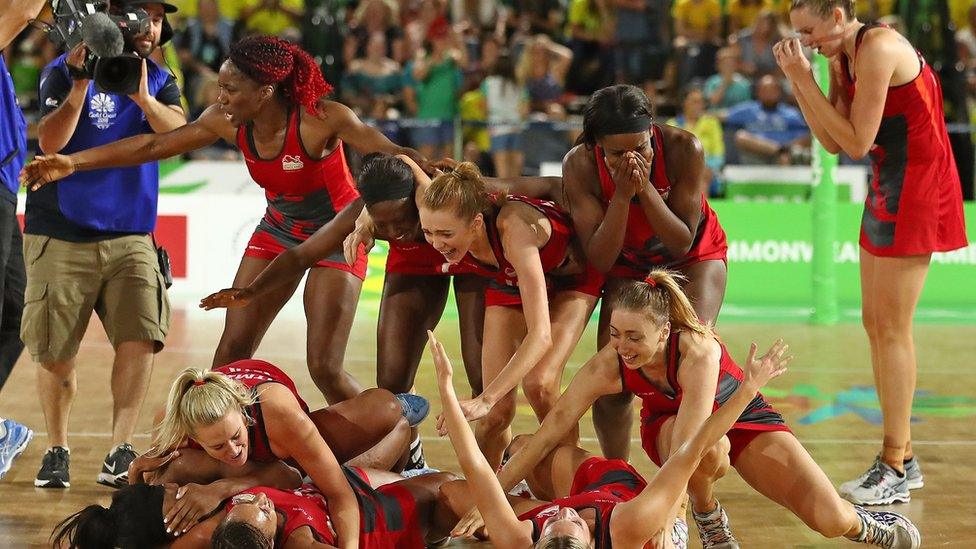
point(102, 111)
point(291, 163)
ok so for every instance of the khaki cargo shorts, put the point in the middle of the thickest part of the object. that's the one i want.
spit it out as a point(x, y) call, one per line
point(118, 278)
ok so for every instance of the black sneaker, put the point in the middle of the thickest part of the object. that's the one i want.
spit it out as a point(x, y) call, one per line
point(115, 469)
point(416, 458)
point(54, 469)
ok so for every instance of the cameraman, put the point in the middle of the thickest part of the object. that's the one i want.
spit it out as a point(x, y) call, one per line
point(14, 16)
point(87, 246)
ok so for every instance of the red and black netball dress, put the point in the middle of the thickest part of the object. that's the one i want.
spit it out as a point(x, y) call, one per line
point(387, 515)
point(420, 258)
point(253, 373)
point(599, 484)
point(914, 203)
point(303, 193)
point(659, 403)
point(555, 255)
point(643, 249)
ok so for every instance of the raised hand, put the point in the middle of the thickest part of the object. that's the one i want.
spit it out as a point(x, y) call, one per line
point(758, 371)
point(46, 169)
point(790, 58)
point(362, 235)
point(148, 463)
point(227, 298)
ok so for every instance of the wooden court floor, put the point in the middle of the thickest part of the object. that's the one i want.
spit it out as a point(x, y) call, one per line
point(825, 397)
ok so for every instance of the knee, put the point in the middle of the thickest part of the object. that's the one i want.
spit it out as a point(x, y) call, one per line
point(58, 369)
point(518, 443)
point(454, 495)
point(500, 416)
point(715, 462)
point(541, 389)
point(381, 404)
point(833, 522)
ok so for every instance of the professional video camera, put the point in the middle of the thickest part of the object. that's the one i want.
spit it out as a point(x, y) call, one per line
point(113, 61)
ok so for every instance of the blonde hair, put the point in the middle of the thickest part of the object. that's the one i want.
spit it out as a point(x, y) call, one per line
point(660, 296)
point(462, 189)
point(561, 542)
point(199, 397)
point(824, 7)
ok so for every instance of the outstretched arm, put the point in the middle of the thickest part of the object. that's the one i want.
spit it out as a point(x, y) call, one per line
point(132, 151)
point(364, 138)
point(598, 377)
point(504, 527)
point(640, 519)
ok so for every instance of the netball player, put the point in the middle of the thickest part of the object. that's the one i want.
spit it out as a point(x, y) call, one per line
point(604, 503)
point(886, 101)
point(541, 292)
point(637, 193)
point(271, 106)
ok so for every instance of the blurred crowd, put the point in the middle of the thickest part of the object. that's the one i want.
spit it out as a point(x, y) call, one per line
point(484, 78)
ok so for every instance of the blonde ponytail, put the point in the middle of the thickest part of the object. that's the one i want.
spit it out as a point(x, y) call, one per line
point(661, 297)
point(462, 189)
point(199, 397)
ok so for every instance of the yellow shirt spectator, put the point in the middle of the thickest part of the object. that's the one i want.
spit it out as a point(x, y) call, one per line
point(189, 8)
point(708, 130)
point(271, 21)
point(697, 14)
point(744, 14)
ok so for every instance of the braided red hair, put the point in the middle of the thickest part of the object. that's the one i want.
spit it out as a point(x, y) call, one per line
point(271, 60)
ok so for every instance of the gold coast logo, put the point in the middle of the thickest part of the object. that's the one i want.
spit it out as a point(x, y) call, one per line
point(291, 163)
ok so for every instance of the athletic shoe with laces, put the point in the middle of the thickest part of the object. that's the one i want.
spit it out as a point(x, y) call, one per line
point(881, 486)
point(887, 530)
point(912, 470)
point(15, 440)
point(54, 469)
point(115, 468)
point(679, 534)
point(714, 530)
point(415, 407)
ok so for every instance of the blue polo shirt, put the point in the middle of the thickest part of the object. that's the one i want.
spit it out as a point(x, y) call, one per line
point(99, 204)
point(13, 136)
point(782, 124)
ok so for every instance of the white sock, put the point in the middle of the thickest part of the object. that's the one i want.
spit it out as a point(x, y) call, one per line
point(3, 428)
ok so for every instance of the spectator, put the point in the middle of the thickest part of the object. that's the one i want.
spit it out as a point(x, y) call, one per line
point(708, 130)
point(590, 31)
point(966, 41)
point(697, 25)
point(14, 437)
point(540, 16)
point(506, 106)
point(478, 68)
point(373, 78)
point(728, 88)
point(271, 17)
point(203, 45)
point(542, 70)
point(432, 85)
point(642, 37)
point(768, 131)
point(755, 46)
point(87, 247)
point(743, 13)
point(373, 17)
point(873, 10)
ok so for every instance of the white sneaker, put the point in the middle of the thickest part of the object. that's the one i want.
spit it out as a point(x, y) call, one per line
point(882, 485)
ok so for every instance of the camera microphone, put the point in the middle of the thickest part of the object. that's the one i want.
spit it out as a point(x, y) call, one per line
point(102, 35)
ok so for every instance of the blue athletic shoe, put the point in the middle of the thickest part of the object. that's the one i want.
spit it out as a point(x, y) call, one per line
point(13, 443)
point(415, 407)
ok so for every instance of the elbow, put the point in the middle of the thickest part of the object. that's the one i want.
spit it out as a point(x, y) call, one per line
point(46, 142)
point(857, 153)
point(600, 261)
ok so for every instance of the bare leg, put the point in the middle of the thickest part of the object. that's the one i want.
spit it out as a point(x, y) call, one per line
point(469, 293)
point(714, 465)
point(330, 298)
point(245, 326)
point(706, 288)
point(130, 382)
point(357, 424)
point(778, 467)
point(613, 415)
point(504, 331)
point(57, 384)
point(889, 301)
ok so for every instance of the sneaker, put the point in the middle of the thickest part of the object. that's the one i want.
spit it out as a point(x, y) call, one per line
point(914, 473)
point(115, 468)
point(416, 459)
point(881, 486)
point(912, 470)
point(411, 473)
point(679, 534)
point(54, 469)
point(522, 490)
point(13, 443)
point(713, 529)
point(415, 407)
point(888, 530)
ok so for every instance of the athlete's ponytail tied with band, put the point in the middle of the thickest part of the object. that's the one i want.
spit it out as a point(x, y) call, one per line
point(461, 189)
point(198, 397)
point(269, 60)
point(660, 296)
